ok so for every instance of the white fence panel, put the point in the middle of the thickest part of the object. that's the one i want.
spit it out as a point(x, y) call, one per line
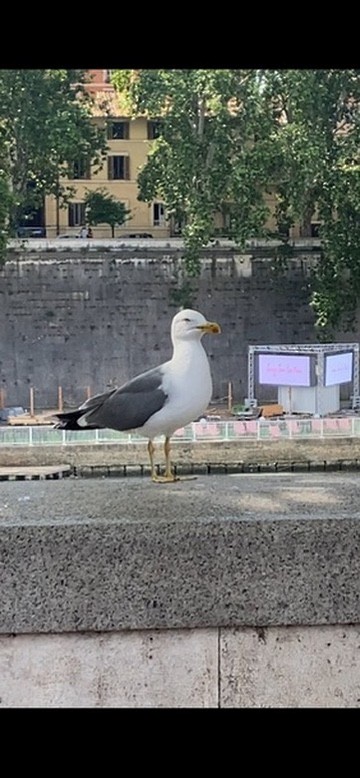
point(233, 430)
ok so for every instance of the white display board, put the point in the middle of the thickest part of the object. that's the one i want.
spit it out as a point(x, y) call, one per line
point(338, 368)
point(284, 370)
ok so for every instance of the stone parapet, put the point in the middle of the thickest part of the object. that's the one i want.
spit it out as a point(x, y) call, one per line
point(220, 551)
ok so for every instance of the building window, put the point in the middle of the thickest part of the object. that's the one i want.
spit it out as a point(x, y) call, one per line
point(76, 214)
point(80, 168)
point(118, 168)
point(158, 214)
point(315, 226)
point(118, 130)
point(154, 129)
point(107, 76)
point(284, 231)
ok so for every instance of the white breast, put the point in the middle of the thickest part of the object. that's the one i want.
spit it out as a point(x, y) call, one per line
point(187, 382)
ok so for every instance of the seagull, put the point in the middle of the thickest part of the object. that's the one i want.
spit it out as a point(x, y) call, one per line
point(162, 399)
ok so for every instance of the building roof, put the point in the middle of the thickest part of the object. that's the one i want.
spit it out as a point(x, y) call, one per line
point(107, 101)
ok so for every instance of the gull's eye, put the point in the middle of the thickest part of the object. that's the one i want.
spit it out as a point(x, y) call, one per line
point(186, 319)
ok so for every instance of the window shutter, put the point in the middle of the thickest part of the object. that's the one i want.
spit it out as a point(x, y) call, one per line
point(126, 168)
point(71, 215)
point(110, 168)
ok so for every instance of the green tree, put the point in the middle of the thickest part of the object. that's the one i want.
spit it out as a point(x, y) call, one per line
point(206, 158)
point(45, 125)
point(102, 208)
point(229, 136)
point(5, 205)
point(315, 166)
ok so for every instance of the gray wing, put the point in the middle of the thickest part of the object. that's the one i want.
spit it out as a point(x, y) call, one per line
point(131, 405)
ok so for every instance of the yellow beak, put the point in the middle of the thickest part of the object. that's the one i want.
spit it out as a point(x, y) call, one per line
point(210, 326)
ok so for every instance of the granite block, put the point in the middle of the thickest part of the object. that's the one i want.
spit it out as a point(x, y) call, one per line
point(218, 551)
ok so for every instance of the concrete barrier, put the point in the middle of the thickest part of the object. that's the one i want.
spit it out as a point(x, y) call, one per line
point(223, 591)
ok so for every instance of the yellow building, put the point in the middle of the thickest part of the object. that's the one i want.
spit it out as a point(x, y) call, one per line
point(128, 141)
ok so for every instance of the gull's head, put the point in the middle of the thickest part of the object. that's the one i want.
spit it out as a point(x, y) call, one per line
point(192, 325)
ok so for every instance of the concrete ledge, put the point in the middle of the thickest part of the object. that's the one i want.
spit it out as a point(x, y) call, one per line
point(219, 551)
point(22, 245)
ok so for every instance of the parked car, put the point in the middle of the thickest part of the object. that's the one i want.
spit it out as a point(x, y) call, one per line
point(68, 235)
point(31, 232)
point(139, 235)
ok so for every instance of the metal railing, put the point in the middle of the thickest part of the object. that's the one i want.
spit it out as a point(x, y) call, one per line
point(232, 430)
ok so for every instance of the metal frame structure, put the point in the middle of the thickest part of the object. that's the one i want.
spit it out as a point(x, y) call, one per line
point(319, 349)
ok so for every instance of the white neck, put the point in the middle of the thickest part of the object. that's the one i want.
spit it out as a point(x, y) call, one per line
point(189, 350)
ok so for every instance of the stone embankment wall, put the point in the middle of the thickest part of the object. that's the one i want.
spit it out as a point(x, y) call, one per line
point(96, 317)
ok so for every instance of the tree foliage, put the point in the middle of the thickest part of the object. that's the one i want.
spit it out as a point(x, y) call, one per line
point(315, 149)
point(204, 159)
point(45, 125)
point(5, 205)
point(102, 208)
point(230, 136)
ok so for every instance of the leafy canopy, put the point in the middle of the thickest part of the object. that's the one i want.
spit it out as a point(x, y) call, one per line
point(316, 170)
point(45, 125)
point(204, 159)
point(229, 136)
point(102, 208)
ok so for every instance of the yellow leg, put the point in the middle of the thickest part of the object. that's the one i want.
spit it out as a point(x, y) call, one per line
point(169, 477)
point(151, 450)
point(168, 472)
